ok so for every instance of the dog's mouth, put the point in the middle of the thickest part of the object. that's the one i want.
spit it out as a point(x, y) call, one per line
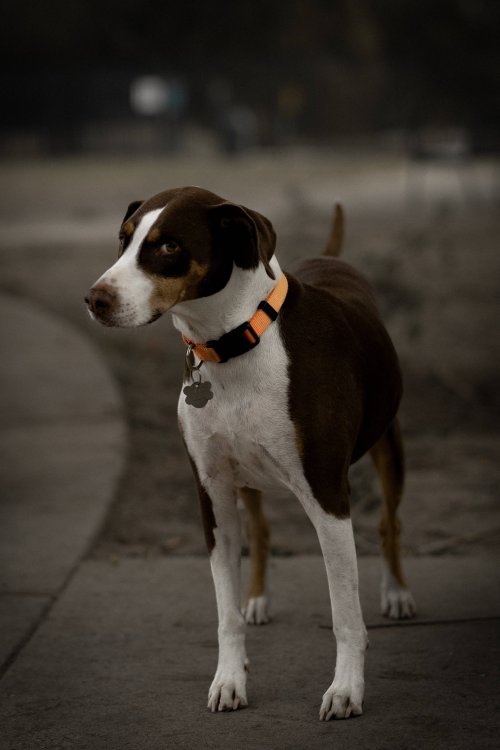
point(154, 317)
point(102, 320)
point(115, 321)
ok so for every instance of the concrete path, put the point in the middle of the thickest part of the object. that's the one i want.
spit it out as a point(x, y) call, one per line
point(119, 654)
point(125, 658)
point(62, 446)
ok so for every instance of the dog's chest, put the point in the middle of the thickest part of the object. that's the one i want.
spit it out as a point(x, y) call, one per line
point(245, 430)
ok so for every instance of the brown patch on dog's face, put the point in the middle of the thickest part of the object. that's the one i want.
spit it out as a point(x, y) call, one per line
point(169, 291)
point(179, 253)
point(182, 253)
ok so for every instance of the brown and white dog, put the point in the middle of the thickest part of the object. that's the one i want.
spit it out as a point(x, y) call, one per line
point(297, 408)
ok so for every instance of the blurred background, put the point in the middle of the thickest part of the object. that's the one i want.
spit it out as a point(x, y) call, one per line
point(390, 106)
point(124, 77)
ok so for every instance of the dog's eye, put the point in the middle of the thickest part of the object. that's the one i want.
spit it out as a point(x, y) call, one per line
point(167, 248)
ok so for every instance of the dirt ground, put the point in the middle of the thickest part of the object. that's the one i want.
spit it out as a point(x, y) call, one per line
point(427, 237)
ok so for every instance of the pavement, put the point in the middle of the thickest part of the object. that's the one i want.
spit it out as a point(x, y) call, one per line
point(119, 653)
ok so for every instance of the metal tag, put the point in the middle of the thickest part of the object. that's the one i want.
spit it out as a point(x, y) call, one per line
point(198, 394)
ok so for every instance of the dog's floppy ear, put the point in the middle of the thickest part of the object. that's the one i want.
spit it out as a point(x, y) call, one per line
point(248, 235)
point(131, 210)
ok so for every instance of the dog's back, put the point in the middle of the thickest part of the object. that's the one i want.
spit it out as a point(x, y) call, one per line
point(341, 333)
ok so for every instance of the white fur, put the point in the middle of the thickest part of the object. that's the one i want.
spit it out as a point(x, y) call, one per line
point(245, 429)
point(344, 697)
point(256, 611)
point(396, 601)
point(244, 436)
point(129, 282)
point(209, 317)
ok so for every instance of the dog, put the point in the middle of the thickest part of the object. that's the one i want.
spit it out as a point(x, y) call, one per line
point(289, 379)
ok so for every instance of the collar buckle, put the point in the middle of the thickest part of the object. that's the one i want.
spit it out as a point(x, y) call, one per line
point(235, 342)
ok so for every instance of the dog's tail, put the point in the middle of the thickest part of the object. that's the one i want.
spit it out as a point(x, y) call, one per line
point(334, 244)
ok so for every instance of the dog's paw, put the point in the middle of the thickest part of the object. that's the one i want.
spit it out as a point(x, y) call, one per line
point(256, 611)
point(227, 691)
point(339, 703)
point(397, 603)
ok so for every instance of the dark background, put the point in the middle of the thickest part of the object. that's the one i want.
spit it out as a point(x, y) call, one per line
point(307, 70)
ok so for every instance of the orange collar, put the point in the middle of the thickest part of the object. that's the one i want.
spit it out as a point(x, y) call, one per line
point(243, 338)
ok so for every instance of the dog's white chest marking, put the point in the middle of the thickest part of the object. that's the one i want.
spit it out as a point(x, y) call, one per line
point(244, 435)
point(245, 430)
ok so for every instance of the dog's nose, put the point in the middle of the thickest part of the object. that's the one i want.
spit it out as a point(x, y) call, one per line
point(100, 300)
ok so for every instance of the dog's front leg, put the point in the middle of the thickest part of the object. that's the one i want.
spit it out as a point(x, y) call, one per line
point(344, 697)
point(222, 527)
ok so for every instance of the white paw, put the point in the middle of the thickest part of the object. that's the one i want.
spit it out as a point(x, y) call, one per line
point(341, 703)
point(227, 691)
point(255, 611)
point(397, 602)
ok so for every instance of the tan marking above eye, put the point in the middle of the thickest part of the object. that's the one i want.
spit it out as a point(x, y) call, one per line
point(153, 235)
point(128, 228)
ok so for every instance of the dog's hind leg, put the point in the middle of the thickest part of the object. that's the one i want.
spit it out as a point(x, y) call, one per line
point(255, 610)
point(388, 457)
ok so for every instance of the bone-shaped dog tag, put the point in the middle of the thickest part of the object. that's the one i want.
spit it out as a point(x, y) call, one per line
point(198, 394)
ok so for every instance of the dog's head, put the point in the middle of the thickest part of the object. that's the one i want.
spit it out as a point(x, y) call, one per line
point(179, 245)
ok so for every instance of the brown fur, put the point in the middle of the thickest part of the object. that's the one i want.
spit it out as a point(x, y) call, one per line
point(334, 245)
point(210, 231)
point(258, 537)
point(128, 228)
point(388, 458)
point(345, 382)
point(206, 506)
point(168, 291)
point(154, 235)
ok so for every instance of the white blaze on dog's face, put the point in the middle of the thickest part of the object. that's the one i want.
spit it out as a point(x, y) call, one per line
point(127, 283)
point(179, 245)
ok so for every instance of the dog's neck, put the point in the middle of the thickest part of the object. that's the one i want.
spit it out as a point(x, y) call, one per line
point(209, 317)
